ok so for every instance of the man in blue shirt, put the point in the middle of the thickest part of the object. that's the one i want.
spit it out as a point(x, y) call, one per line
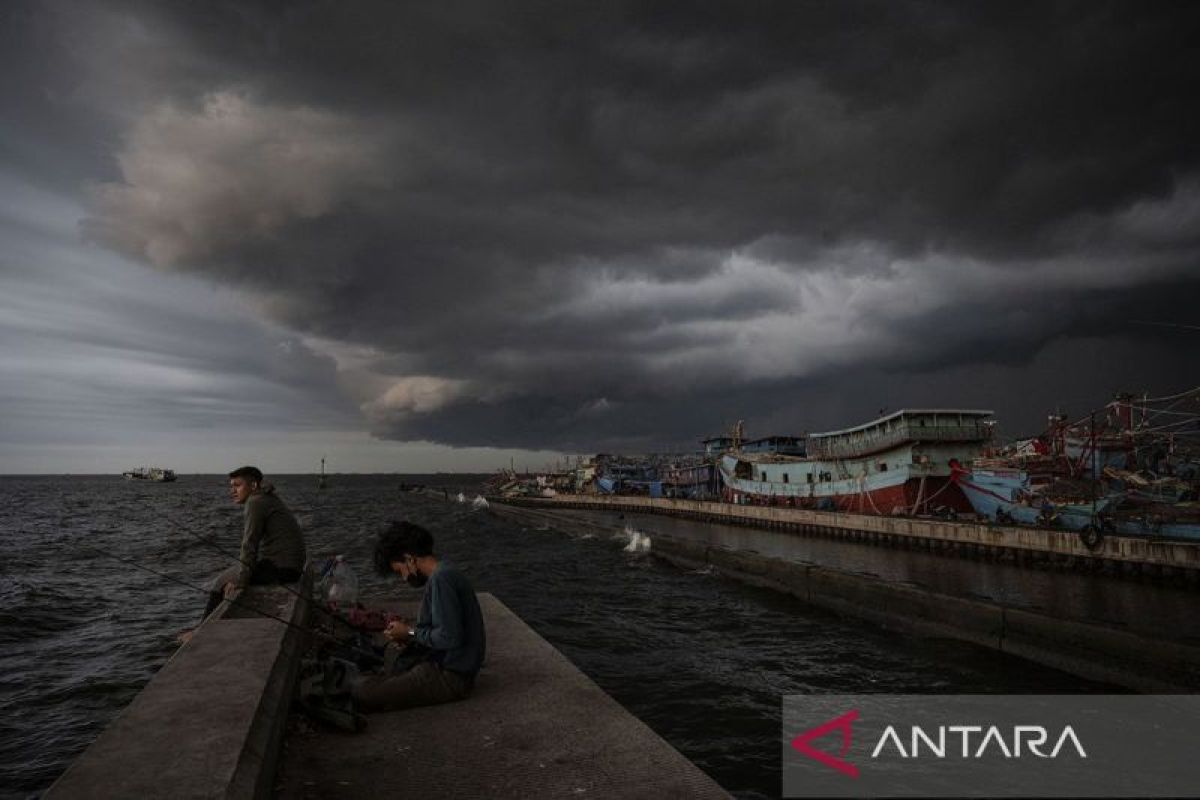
point(449, 623)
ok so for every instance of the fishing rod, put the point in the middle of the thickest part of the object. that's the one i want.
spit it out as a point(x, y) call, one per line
point(237, 603)
point(218, 549)
point(238, 558)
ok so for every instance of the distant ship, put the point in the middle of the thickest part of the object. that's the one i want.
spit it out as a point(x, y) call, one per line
point(899, 463)
point(156, 474)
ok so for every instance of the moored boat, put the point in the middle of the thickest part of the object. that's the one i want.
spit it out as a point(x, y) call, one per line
point(1007, 495)
point(898, 463)
point(1130, 468)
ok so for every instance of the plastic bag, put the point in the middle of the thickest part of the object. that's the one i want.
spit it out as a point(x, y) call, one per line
point(342, 591)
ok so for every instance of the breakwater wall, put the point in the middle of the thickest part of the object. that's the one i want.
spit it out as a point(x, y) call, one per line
point(1141, 660)
point(210, 722)
point(534, 726)
point(1090, 650)
point(1115, 555)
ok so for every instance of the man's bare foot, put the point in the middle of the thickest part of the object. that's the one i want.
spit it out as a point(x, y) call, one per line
point(185, 636)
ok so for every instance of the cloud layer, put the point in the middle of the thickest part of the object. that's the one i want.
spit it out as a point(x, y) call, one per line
point(232, 176)
point(627, 225)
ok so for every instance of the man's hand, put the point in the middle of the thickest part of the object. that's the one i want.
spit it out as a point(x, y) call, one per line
point(397, 631)
point(230, 588)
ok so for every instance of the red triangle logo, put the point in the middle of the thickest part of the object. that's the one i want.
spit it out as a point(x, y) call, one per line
point(802, 743)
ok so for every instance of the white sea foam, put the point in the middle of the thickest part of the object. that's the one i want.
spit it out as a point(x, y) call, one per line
point(638, 541)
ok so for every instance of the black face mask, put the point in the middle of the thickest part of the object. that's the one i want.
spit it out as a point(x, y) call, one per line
point(415, 579)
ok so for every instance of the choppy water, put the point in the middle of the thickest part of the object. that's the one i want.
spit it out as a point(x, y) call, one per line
point(702, 660)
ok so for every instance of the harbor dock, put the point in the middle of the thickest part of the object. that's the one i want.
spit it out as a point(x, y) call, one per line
point(1133, 634)
point(535, 726)
point(214, 723)
point(210, 723)
point(1122, 555)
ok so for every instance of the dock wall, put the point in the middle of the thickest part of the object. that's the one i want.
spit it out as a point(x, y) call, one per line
point(534, 727)
point(1118, 555)
point(1090, 650)
point(210, 723)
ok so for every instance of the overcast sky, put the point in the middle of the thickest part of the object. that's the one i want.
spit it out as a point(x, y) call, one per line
point(431, 236)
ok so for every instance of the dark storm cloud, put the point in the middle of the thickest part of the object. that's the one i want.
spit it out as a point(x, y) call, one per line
point(106, 364)
point(588, 224)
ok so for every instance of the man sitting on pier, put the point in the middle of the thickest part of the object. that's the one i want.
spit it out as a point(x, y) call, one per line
point(449, 623)
point(272, 546)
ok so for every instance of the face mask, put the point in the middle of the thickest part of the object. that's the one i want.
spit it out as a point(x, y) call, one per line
point(414, 578)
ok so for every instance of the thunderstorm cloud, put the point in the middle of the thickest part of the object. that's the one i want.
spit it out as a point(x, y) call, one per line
point(588, 226)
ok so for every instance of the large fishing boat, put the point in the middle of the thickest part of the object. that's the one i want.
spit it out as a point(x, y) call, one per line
point(156, 474)
point(1131, 467)
point(898, 463)
point(1009, 495)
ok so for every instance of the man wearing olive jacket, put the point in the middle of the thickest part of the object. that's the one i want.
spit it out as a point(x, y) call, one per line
point(272, 548)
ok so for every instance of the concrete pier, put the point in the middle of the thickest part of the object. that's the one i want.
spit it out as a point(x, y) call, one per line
point(1118, 555)
point(1097, 652)
point(1146, 657)
point(535, 726)
point(211, 724)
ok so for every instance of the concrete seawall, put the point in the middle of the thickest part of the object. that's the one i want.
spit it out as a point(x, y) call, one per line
point(1121, 555)
point(535, 726)
point(1138, 660)
point(210, 722)
point(1086, 649)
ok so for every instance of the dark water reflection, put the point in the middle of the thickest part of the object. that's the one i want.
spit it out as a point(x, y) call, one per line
point(702, 660)
point(1135, 605)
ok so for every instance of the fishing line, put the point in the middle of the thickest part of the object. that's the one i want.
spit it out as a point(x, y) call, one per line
point(237, 603)
point(218, 549)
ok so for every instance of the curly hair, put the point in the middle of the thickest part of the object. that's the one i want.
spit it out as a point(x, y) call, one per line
point(399, 539)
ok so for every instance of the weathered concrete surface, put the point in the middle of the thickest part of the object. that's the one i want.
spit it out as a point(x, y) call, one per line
point(534, 727)
point(967, 538)
point(1090, 650)
point(209, 724)
point(1158, 665)
point(1149, 659)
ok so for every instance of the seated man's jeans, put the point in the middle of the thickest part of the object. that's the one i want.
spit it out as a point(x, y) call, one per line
point(265, 573)
point(426, 684)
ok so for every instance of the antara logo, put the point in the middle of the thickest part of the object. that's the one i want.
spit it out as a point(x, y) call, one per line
point(1022, 740)
point(842, 723)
